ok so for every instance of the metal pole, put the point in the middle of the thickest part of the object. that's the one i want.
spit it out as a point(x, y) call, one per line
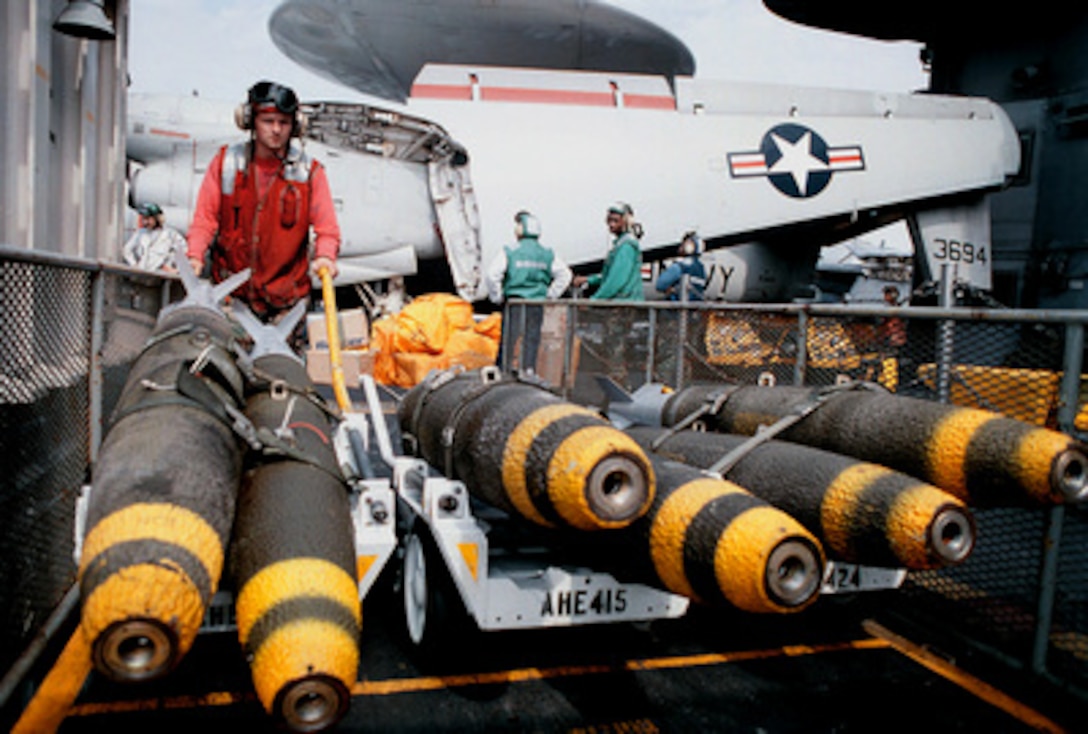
point(946, 336)
point(25, 662)
point(1048, 572)
point(568, 350)
point(504, 335)
point(94, 370)
point(651, 351)
point(682, 341)
point(800, 365)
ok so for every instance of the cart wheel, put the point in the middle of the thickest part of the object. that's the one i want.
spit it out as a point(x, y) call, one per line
point(431, 606)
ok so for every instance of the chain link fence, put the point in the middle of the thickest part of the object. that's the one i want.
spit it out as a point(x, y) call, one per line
point(1023, 593)
point(69, 331)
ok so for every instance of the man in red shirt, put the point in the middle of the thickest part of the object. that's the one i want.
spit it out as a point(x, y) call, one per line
point(257, 204)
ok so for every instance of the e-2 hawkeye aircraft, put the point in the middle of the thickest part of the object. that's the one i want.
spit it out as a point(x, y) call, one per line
point(564, 107)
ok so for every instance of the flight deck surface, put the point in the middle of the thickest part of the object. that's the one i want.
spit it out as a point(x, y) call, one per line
point(832, 668)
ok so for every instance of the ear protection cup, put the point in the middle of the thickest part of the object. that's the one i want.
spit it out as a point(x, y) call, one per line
point(526, 225)
point(243, 116)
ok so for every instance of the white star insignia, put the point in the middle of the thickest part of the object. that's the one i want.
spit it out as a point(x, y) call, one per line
point(797, 160)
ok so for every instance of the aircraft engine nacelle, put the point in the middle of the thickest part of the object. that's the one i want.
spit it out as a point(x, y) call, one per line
point(756, 273)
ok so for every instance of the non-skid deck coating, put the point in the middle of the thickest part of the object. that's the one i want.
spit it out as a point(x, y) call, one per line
point(830, 669)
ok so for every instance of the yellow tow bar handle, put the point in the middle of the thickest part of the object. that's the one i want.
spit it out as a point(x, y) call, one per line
point(332, 329)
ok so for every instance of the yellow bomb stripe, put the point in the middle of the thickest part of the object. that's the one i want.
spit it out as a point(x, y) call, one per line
point(670, 524)
point(1035, 455)
point(744, 549)
point(516, 452)
point(289, 579)
point(840, 503)
point(946, 450)
point(158, 591)
point(301, 649)
point(157, 521)
point(908, 520)
point(571, 464)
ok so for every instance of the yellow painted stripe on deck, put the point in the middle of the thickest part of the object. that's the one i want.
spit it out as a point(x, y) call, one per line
point(54, 698)
point(396, 686)
point(963, 679)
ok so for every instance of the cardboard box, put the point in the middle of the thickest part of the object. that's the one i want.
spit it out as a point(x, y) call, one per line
point(354, 362)
point(353, 326)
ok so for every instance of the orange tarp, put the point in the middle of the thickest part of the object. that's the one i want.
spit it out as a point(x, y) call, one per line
point(434, 331)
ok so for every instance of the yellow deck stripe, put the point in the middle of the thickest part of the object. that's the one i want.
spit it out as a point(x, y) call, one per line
point(59, 689)
point(396, 686)
point(964, 680)
point(882, 639)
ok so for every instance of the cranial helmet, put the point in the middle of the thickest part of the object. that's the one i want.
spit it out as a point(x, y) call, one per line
point(624, 210)
point(526, 225)
point(265, 94)
point(691, 244)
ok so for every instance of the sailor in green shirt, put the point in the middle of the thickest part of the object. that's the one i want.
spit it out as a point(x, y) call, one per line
point(621, 277)
point(529, 270)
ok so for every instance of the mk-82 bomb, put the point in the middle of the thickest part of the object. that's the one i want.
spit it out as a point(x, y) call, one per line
point(980, 457)
point(163, 493)
point(861, 512)
point(712, 541)
point(521, 448)
point(293, 554)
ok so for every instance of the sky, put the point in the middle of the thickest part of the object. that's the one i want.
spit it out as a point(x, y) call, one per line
point(218, 48)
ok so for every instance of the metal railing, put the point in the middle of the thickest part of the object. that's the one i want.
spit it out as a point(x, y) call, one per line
point(1023, 595)
point(69, 329)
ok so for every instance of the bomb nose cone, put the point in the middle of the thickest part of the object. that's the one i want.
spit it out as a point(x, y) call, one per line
point(794, 572)
point(136, 650)
point(618, 489)
point(951, 535)
point(313, 704)
point(1069, 475)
